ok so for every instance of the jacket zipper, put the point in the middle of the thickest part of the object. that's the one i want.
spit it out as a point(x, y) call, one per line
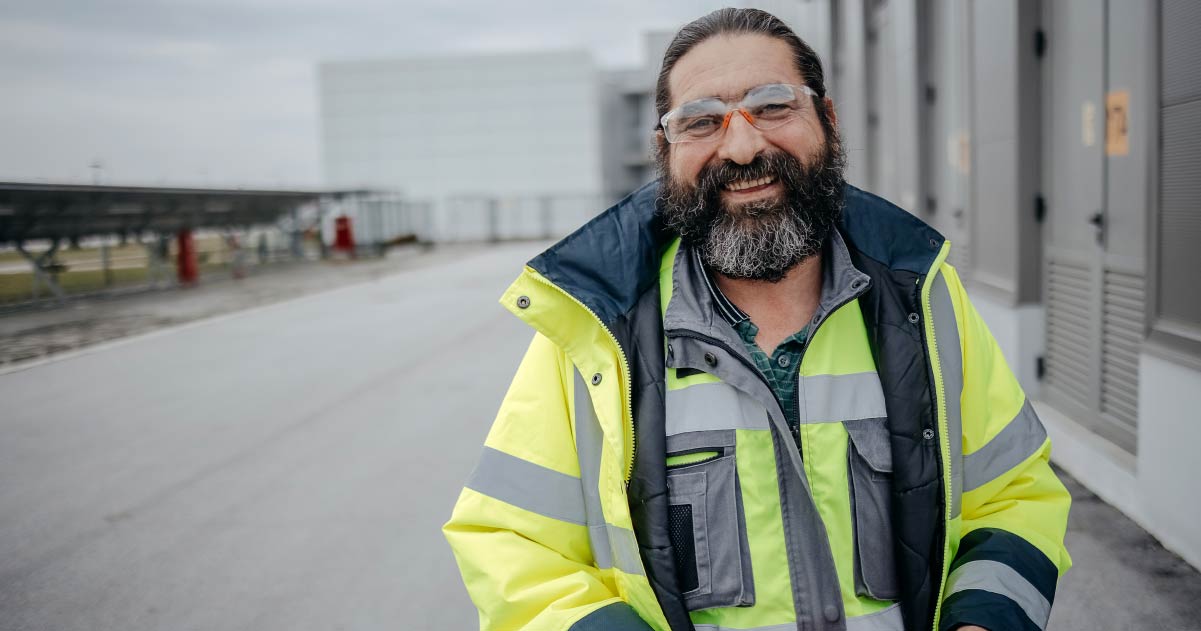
point(940, 393)
point(628, 390)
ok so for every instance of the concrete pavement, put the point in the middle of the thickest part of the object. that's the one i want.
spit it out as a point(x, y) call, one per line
point(289, 467)
point(284, 468)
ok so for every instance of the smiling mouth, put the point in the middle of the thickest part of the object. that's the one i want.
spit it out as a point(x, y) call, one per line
point(746, 185)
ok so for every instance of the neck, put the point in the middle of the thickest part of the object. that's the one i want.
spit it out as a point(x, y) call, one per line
point(778, 309)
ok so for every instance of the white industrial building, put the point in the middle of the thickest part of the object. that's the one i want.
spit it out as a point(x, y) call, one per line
point(498, 144)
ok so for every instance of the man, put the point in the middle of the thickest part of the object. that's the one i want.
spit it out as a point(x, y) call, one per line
point(757, 398)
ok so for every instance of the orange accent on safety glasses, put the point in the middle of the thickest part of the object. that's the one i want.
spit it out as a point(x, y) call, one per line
point(745, 114)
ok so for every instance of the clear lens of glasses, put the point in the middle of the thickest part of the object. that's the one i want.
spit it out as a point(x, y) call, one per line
point(766, 107)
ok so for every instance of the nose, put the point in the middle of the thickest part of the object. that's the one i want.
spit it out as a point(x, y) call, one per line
point(740, 142)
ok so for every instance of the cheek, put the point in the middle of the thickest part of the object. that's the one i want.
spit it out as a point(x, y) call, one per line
point(686, 162)
point(803, 141)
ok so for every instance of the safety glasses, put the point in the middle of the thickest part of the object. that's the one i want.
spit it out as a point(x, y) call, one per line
point(765, 107)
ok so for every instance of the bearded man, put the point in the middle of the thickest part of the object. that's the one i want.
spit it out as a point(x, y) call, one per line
point(757, 397)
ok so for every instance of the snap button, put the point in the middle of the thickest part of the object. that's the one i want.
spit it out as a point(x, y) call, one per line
point(710, 359)
point(913, 318)
point(856, 284)
point(933, 243)
point(523, 302)
point(596, 379)
point(782, 361)
point(928, 434)
point(831, 613)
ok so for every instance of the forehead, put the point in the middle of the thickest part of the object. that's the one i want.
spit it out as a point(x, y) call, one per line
point(726, 66)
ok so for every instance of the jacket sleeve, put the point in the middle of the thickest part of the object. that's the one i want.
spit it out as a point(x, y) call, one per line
point(518, 529)
point(1014, 509)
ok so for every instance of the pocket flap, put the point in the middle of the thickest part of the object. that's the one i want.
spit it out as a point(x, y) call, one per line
point(871, 440)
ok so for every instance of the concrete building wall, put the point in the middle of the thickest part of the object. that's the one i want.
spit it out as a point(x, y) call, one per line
point(628, 120)
point(518, 125)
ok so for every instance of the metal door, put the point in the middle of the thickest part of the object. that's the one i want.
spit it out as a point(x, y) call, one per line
point(1093, 273)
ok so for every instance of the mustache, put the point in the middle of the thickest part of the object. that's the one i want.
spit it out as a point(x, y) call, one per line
point(714, 177)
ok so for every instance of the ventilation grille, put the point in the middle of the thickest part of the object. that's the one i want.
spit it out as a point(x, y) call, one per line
point(1121, 335)
point(1069, 338)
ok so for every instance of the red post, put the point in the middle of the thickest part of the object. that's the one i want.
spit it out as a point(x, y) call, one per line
point(343, 235)
point(186, 266)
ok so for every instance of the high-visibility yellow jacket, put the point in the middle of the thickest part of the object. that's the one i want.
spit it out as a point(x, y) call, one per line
point(563, 524)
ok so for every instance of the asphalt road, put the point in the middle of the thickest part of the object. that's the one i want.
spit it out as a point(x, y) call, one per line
point(287, 467)
point(290, 466)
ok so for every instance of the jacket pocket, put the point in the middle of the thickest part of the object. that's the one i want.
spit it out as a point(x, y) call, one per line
point(869, 468)
point(706, 524)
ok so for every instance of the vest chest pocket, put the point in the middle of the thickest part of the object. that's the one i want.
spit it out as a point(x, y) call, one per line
point(706, 523)
point(869, 468)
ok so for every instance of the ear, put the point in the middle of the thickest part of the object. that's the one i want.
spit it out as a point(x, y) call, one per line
point(832, 111)
point(661, 144)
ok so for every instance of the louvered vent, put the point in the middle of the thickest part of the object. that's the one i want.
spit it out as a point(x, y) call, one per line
point(1121, 335)
point(1069, 365)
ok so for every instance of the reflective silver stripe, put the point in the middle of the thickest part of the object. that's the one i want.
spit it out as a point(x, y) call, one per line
point(712, 406)
point(612, 546)
point(837, 398)
point(950, 359)
point(1023, 436)
point(528, 486)
point(998, 578)
point(884, 620)
point(787, 626)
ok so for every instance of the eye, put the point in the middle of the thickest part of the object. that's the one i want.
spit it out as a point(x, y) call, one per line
point(699, 124)
point(774, 110)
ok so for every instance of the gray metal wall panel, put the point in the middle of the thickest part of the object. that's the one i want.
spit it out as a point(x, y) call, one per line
point(994, 91)
point(947, 161)
point(995, 244)
point(1182, 58)
point(1073, 176)
point(849, 90)
point(905, 105)
point(883, 120)
point(1028, 258)
point(1180, 214)
point(1130, 67)
point(1179, 218)
point(1076, 122)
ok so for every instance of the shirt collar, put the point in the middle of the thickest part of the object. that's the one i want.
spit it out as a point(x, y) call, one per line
point(841, 280)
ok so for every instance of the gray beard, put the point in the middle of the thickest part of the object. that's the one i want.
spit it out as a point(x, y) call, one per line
point(764, 239)
point(759, 242)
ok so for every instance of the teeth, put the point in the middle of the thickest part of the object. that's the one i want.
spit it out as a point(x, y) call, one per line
point(745, 184)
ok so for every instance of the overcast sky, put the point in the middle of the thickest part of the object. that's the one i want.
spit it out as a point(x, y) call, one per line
point(222, 92)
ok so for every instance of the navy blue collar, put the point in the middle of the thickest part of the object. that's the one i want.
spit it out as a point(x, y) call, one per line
point(613, 259)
